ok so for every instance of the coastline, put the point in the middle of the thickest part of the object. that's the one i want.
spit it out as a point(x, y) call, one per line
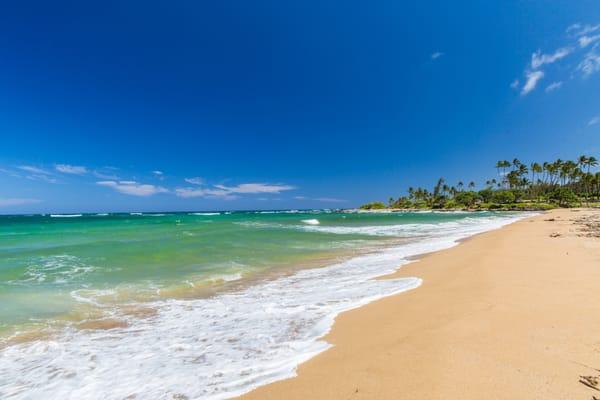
point(506, 312)
point(248, 338)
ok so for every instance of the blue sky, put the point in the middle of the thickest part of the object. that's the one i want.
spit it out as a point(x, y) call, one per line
point(187, 105)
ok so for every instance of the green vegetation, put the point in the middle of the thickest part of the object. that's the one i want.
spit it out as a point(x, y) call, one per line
point(517, 187)
point(376, 205)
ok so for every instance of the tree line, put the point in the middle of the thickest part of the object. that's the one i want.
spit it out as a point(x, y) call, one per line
point(517, 185)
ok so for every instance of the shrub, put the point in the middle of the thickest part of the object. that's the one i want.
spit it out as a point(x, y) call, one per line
point(503, 197)
point(564, 197)
point(486, 195)
point(375, 205)
point(467, 199)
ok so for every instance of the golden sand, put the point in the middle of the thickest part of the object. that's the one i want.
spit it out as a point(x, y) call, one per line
point(509, 314)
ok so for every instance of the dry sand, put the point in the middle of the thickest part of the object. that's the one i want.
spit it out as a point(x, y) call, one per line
point(509, 314)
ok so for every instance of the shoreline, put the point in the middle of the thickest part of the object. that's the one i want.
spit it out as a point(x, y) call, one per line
point(497, 316)
point(297, 317)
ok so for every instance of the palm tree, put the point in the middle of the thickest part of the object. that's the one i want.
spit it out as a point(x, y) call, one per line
point(535, 169)
point(471, 185)
point(460, 186)
point(516, 163)
point(591, 162)
point(581, 161)
point(499, 165)
point(545, 168)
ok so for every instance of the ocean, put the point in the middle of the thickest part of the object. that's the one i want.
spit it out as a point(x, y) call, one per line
point(195, 305)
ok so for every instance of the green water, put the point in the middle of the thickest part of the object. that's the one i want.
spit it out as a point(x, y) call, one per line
point(51, 266)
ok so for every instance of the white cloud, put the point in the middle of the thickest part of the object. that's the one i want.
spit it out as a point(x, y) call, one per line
point(8, 202)
point(436, 55)
point(187, 193)
point(590, 63)
point(581, 30)
point(594, 120)
point(585, 41)
point(159, 174)
point(229, 192)
point(33, 170)
point(71, 169)
point(38, 174)
point(538, 59)
point(574, 27)
point(514, 84)
point(249, 188)
point(553, 86)
point(195, 180)
point(533, 77)
point(133, 188)
point(106, 176)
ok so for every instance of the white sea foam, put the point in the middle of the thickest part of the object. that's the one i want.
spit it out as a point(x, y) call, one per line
point(311, 221)
point(101, 214)
point(465, 225)
point(65, 215)
point(57, 270)
point(205, 213)
point(218, 347)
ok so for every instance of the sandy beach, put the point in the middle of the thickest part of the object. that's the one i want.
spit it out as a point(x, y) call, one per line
point(509, 314)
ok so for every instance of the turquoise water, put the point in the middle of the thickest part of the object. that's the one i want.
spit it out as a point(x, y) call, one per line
point(44, 259)
point(202, 305)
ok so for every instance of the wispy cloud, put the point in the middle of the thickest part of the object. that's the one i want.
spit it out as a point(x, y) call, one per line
point(585, 41)
point(514, 84)
point(33, 170)
point(195, 180)
point(590, 63)
point(107, 176)
point(538, 59)
point(187, 193)
point(580, 30)
point(37, 174)
point(436, 55)
point(8, 202)
point(159, 174)
point(594, 120)
point(533, 77)
point(133, 188)
point(580, 37)
point(71, 169)
point(553, 86)
point(251, 188)
point(229, 192)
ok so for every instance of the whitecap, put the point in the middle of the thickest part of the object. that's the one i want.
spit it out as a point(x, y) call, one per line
point(204, 213)
point(65, 215)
